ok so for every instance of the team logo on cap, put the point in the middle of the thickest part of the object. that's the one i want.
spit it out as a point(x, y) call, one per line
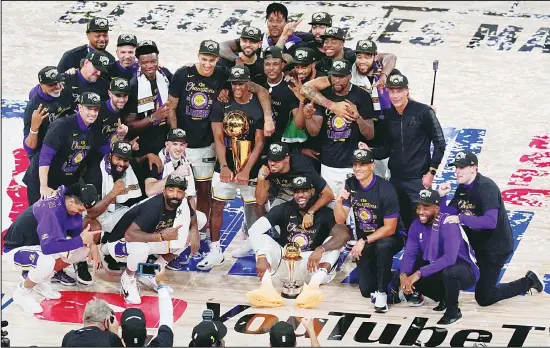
point(360, 154)
point(104, 60)
point(396, 79)
point(101, 22)
point(94, 97)
point(51, 74)
point(299, 181)
point(147, 43)
point(211, 45)
point(319, 15)
point(179, 132)
point(236, 71)
point(364, 44)
point(275, 148)
point(124, 147)
point(177, 178)
point(339, 65)
point(425, 194)
point(331, 31)
point(121, 83)
point(251, 31)
point(301, 54)
point(127, 37)
point(460, 156)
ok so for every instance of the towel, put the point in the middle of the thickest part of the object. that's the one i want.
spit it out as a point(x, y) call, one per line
point(183, 218)
point(146, 101)
point(130, 179)
point(170, 166)
point(380, 97)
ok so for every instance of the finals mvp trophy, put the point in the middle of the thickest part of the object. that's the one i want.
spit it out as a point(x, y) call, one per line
point(235, 125)
point(291, 258)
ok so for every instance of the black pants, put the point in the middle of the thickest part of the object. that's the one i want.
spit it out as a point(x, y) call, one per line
point(446, 284)
point(407, 192)
point(487, 290)
point(374, 265)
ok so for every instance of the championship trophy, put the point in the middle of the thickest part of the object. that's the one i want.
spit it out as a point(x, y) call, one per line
point(235, 124)
point(291, 258)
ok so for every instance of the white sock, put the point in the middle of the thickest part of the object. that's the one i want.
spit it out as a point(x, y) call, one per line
point(23, 288)
point(162, 262)
point(266, 279)
point(317, 278)
point(215, 245)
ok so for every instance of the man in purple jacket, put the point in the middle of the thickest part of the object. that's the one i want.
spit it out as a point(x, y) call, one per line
point(438, 261)
point(39, 237)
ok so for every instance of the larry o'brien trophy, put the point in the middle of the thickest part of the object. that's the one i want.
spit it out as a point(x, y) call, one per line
point(291, 258)
point(235, 125)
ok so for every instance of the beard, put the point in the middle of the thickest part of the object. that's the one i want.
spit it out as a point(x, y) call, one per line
point(172, 202)
point(115, 173)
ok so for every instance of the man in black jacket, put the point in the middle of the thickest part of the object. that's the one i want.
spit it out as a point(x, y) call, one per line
point(412, 128)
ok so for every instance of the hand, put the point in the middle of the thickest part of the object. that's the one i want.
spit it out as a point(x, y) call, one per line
point(194, 240)
point(363, 146)
point(71, 71)
point(94, 257)
point(357, 249)
point(162, 112)
point(261, 266)
point(88, 236)
point(264, 171)
point(114, 326)
point(341, 109)
point(154, 160)
point(413, 278)
point(295, 85)
point(309, 110)
point(382, 80)
point(239, 61)
point(310, 153)
point(242, 177)
point(121, 130)
point(223, 96)
point(37, 117)
point(290, 27)
point(226, 175)
point(314, 259)
point(403, 280)
point(444, 189)
point(135, 144)
point(352, 108)
point(160, 276)
point(269, 126)
point(307, 221)
point(183, 169)
point(428, 180)
point(452, 219)
point(308, 325)
point(343, 195)
point(119, 187)
point(46, 192)
point(170, 233)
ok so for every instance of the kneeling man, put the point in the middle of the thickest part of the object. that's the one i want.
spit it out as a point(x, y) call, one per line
point(320, 245)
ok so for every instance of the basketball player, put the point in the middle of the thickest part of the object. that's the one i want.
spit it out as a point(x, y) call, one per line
point(333, 46)
point(250, 43)
point(38, 238)
point(97, 32)
point(438, 261)
point(126, 66)
point(478, 207)
point(339, 136)
point(320, 246)
point(378, 228)
point(320, 21)
point(147, 228)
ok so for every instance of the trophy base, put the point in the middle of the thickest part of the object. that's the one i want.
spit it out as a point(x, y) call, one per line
point(291, 293)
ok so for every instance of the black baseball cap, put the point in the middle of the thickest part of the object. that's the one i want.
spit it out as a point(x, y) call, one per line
point(146, 47)
point(465, 159)
point(49, 75)
point(302, 183)
point(209, 47)
point(207, 332)
point(99, 60)
point(282, 335)
point(277, 151)
point(86, 193)
point(273, 52)
point(429, 197)
point(303, 56)
point(127, 40)
point(176, 180)
point(251, 33)
point(363, 156)
point(340, 67)
point(239, 73)
point(90, 99)
point(122, 149)
point(321, 18)
point(97, 24)
point(366, 46)
point(119, 85)
point(335, 33)
point(134, 331)
point(276, 7)
point(176, 134)
point(397, 80)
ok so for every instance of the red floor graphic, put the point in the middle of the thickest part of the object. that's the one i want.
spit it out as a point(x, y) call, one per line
point(16, 192)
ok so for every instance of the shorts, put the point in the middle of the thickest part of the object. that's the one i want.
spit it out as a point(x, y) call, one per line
point(26, 257)
point(228, 191)
point(202, 161)
point(108, 219)
point(335, 178)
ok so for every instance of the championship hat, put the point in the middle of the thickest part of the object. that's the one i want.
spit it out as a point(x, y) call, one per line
point(176, 180)
point(366, 46)
point(89, 99)
point(97, 24)
point(397, 80)
point(119, 85)
point(465, 159)
point(340, 67)
point(207, 333)
point(429, 197)
point(209, 47)
point(282, 335)
point(122, 149)
point(301, 183)
point(251, 33)
point(146, 47)
point(49, 75)
point(127, 40)
point(239, 73)
point(363, 156)
point(321, 18)
point(335, 33)
point(134, 331)
point(176, 134)
point(277, 151)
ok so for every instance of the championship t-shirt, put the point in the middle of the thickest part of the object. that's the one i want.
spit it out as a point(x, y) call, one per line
point(299, 166)
point(76, 84)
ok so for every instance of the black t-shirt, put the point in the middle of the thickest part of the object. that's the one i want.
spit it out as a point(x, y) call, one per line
point(91, 336)
point(76, 85)
point(325, 64)
point(315, 46)
point(283, 101)
point(372, 204)
point(338, 138)
point(117, 70)
point(197, 95)
point(22, 232)
point(73, 57)
point(165, 337)
point(106, 123)
point(288, 217)
point(255, 115)
point(483, 196)
point(299, 166)
point(152, 138)
point(255, 68)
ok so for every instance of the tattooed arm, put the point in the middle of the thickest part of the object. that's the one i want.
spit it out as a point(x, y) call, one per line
point(339, 108)
point(265, 102)
point(228, 48)
point(172, 105)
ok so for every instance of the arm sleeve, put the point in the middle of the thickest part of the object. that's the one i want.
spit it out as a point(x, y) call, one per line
point(318, 182)
point(390, 203)
point(166, 308)
point(261, 226)
point(447, 209)
point(216, 114)
point(412, 251)
point(50, 231)
point(46, 156)
point(452, 240)
point(176, 85)
point(486, 222)
point(437, 137)
point(346, 202)
point(64, 63)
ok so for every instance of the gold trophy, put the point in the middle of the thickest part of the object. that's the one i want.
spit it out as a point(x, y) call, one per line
point(291, 258)
point(235, 125)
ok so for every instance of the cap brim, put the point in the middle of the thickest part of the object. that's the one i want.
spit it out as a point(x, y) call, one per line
point(424, 202)
point(125, 156)
point(210, 53)
point(332, 36)
point(276, 158)
point(297, 62)
point(390, 87)
point(101, 68)
point(91, 105)
point(362, 161)
point(338, 73)
point(238, 80)
point(250, 38)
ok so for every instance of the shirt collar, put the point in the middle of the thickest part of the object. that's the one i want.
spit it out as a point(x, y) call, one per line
point(81, 77)
point(110, 107)
point(81, 124)
point(42, 95)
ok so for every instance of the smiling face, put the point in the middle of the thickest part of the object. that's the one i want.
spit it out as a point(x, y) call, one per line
point(207, 63)
point(332, 46)
point(426, 213)
point(364, 62)
point(249, 47)
point(302, 197)
point(465, 175)
point(273, 68)
point(175, 148)
point(317, 30)
point(118, 100)
point(98, 40)
point(173, 196)
point(119, 166)
point(88, 113)
point(53, 89)
point(362, 170)
point(126, 55)
point(149, 64)
point(398, 96)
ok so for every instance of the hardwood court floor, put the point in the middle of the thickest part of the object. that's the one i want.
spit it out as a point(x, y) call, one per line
point(491, 79)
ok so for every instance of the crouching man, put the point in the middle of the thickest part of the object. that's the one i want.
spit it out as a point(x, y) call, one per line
point(38, 238)
point(320, 246)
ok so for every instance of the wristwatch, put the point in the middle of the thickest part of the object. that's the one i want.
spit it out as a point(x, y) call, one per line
point(310, 213)
point(432, 171)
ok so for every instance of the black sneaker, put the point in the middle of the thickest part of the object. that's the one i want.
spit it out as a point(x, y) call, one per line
point(110, 264)
point(63, 278)
point(446, 320)
point(536, 279)
point(415, 299)
point(441, 306)
point(82, 274)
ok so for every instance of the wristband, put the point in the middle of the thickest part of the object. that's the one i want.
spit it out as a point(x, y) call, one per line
point(322, 247)
point(224, 166)
point(161, 286)
point(32, 132)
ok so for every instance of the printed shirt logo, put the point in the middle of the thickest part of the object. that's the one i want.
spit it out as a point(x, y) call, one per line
point(338, 129)
point(339, 65)
point(301, 54)
point(275, 148)
point(396, 79)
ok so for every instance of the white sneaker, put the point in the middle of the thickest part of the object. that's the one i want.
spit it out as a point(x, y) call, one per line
point(23, 297)
point(381, 302)
point(129, 289)
point(244, 250)
point(151, 283)
point(213, 258)
point(45, 289)
point(205, 235)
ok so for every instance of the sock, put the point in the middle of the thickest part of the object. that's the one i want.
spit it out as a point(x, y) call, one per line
point(23, 288)
point(162, 262)
point(215, 245)
point(266, 279)
point(317, 278)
